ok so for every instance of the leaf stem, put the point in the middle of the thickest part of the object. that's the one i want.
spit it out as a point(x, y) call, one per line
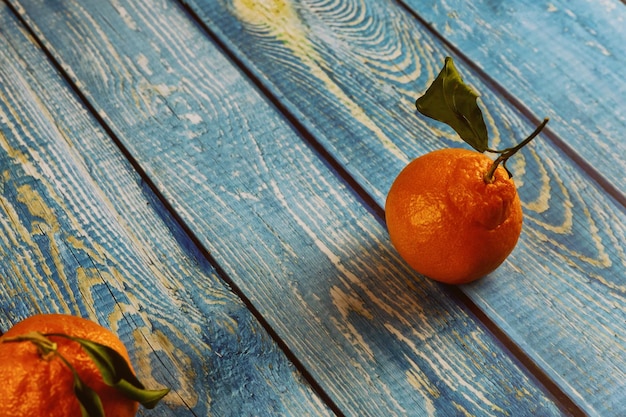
point(46, 347)
point(509, 152)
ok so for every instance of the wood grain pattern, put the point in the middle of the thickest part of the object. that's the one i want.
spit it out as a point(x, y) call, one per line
point(565, 282)
point(564, 59)
point(80, 234)
point(379, 339)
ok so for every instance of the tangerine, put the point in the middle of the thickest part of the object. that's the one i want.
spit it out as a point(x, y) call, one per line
point(450, 223)
point(32, 385)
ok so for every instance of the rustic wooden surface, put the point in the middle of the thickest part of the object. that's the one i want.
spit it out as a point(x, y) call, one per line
point(83, 234)
point(207, 179)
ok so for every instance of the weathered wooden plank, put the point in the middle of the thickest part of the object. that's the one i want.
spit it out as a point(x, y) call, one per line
point(563, 58)
point(81, 234)
point(297, 242)
point(350, 72)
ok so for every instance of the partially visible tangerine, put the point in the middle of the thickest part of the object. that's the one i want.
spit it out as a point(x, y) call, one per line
point(449, 223)
point(34, 386)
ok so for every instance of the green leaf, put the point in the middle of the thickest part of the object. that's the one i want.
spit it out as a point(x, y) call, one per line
point(451, 101)
point(90, 404)
point(148, 398)
point(111, 364)
point(116, 372)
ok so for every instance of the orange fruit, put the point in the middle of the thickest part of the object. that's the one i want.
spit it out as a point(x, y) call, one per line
point(35, 386)
point(449, 223)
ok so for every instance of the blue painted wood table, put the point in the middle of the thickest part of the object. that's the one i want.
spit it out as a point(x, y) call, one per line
point(207, 179)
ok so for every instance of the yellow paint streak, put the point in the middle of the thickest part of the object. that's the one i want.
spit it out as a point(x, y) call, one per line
point(418, 380)
point(185, 395)
point(541, 204)
point(47, 225)
point(98, 255)
point(38, 208)
point(229, 324)
point(478, 340)
point(436, 359)
point(462, 410)
point(521, 393)
point(278, 19)
point(345, 304)
point(86, 279)
point(12, 152)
